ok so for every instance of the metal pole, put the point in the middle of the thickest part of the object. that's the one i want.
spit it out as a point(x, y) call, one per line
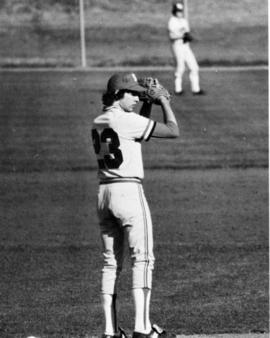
point(186, 9)
point(82, 30)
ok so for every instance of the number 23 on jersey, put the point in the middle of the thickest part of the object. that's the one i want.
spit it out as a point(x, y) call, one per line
point(106, 144)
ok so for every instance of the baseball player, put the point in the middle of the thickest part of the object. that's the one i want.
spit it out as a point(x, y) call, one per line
point(122, 208)
point(179, 35)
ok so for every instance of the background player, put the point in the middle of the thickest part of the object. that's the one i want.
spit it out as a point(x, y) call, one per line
point(122, 207)
point(179, 35)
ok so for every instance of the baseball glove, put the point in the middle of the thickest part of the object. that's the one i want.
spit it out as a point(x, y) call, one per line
point(153, 90)
point(187, 37)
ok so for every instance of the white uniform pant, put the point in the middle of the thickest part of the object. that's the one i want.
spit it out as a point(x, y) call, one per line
point(124, 214)
point(183, 55)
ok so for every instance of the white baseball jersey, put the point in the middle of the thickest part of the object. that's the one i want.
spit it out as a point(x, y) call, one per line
point(117, 135)
point(177, 27)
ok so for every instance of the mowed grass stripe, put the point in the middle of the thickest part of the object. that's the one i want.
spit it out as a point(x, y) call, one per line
point(214, 68)
point(211, 248)
point(46, 119)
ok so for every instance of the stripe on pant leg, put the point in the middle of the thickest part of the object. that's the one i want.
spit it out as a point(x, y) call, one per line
point(114, 312)
point(141, 195)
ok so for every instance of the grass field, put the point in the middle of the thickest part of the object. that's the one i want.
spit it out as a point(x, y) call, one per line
point(208, 192)
point(47, 33)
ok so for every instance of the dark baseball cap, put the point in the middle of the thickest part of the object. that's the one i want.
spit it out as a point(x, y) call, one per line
point(124, 81)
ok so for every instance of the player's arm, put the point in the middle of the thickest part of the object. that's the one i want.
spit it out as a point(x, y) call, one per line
point(146, 109)
point(169, 128)
point(175, 31)
point(175, 35)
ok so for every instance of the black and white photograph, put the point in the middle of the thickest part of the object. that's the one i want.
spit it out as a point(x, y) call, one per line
point(134, 182)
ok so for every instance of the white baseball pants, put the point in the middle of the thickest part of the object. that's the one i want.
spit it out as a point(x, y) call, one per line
point(183, 55)
point(124, 215)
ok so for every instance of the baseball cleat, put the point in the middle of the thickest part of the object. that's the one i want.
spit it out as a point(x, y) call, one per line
point(121, 334)
point(200, 92)
point(154, 333)
point(179, 93)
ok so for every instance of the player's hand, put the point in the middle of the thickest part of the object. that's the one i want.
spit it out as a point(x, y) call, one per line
point(154, 91)
point(187, 37)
